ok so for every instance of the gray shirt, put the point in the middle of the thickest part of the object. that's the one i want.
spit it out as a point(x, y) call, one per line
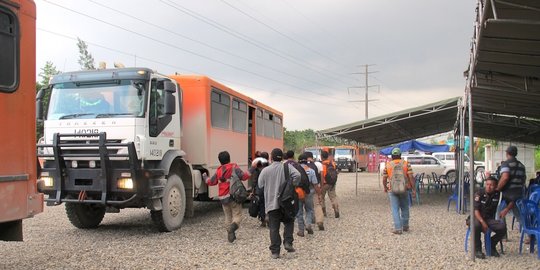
point(272, 179)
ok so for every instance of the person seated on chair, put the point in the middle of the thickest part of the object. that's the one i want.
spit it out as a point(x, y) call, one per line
point(486, 202)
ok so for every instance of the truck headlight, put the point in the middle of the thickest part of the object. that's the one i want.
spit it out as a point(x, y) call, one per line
point(48, 181)
point(125, 183)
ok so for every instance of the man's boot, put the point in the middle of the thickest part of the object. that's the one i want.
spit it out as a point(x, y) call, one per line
point(321, 226)
point(231, 236)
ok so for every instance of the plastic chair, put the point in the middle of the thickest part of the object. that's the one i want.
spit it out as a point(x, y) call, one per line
point(432, 182)
point(532, 188)
point(487, 241)
point(454, 197)
point(530, 222)
point(442, 180)
point(417, 188)
point(535, 196)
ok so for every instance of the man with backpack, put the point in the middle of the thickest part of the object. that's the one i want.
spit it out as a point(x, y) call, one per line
point(278, 180)
point(397, 181)
point(317, 200)
point(260, 161)
point(329, 179)
point(232, 206)
point(307, 204)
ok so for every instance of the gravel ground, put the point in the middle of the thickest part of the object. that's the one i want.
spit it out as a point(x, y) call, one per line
point(360, 239)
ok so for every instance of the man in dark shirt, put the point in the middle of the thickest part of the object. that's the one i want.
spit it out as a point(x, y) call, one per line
point(512, 179)
point(486, 202)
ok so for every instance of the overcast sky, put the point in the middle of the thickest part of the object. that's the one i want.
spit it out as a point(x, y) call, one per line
point(297, 56)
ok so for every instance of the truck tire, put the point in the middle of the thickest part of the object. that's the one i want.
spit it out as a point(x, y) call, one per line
point(85, 216)
point(174, 205)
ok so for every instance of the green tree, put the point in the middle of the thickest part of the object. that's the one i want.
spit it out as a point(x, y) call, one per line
point(85, 57)
point(537, 157)
point(298, 140)
point(45, 75)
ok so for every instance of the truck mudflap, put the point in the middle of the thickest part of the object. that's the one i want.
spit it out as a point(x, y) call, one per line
point(73, 184)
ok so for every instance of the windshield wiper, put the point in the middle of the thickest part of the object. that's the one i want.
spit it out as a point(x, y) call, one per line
point(75, 115)
point(105, 115)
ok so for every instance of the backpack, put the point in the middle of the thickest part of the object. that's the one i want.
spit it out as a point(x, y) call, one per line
point(331, 174)
point(304, 179)
point(237, 190)
point(254, 206)
point(316, 170)
point(287, 198)
point(398, 183)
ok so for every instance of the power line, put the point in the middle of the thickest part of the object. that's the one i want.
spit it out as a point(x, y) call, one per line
point(190, 52)
point(313, 22)
point(181, 68)
point(284, 55)
point(208, 45)
point(279, 32)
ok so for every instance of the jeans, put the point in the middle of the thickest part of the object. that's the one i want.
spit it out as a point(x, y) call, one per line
point(400, 209)
point(308, 206)
point(275, 218)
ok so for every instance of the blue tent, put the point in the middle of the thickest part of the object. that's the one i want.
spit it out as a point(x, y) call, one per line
point(415, 145)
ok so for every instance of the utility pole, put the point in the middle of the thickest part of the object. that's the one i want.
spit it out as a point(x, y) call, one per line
point(367, 86)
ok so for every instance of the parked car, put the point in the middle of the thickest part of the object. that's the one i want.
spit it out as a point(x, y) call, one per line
point(428, 164)
point(448, 158)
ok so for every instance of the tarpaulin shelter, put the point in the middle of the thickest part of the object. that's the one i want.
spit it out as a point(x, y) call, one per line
point(415, 145)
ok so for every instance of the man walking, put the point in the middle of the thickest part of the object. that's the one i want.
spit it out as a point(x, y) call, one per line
point(273, 180)
point(329, 178)
point(222, 178)
point(317, 197)
point(307, 204)
point(400, 174)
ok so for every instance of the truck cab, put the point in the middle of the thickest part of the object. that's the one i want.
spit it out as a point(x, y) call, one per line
point(112, 141)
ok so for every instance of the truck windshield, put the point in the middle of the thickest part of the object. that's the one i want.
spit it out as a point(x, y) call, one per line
point(343, 153)
point(111, 99)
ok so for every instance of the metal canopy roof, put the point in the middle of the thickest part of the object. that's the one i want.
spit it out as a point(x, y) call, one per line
point(400, 126)
point(503, 79)
point(505, 59)
point(504, 72)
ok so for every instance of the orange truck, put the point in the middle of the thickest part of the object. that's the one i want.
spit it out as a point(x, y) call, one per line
point(19, 198)
point(134, 138)
point(351, 157)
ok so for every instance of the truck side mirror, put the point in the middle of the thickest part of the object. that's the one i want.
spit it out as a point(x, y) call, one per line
point(39, 104)
point(170, 104)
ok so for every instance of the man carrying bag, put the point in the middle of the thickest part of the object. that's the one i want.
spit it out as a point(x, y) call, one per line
point(278, 180)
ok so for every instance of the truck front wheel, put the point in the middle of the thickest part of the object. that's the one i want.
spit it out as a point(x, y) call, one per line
point(85, 216)
point(174, 205)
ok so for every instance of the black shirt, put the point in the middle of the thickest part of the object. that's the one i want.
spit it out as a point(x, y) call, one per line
point(486, 203)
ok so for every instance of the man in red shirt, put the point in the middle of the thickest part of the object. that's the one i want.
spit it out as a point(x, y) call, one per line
point(222, 178)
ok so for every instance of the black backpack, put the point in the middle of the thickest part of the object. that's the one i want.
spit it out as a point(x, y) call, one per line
point(287, 198)
point(304, 179)
point(331, 174)
point(237, 189)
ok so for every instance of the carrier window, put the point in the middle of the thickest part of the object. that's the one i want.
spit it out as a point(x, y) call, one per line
point(220, 109)
point(268, 124)
point(414, 160)
point(278, 131)
point(260, 123)
point(239, 116)
point(9, 54)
